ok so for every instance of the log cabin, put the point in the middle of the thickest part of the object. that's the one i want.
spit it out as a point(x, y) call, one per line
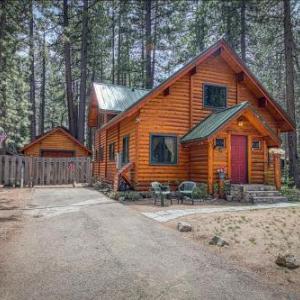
point(56, 143)
point(211, 114)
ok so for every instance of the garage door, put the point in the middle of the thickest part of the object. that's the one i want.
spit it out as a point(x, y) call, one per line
point(57, 153)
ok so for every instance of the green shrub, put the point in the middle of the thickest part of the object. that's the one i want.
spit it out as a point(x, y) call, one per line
point(114, 195)
point(292, 194)
point(200, 192)
point(216, 188)
point(133, 196)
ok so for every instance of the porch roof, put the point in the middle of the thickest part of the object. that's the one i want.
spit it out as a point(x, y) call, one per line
point(213, 122)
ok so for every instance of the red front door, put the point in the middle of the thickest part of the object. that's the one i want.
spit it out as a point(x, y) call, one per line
point(239, 159)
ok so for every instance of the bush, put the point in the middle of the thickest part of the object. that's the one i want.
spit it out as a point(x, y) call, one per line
point(292, 194)
point(102, 186)
point(114, 195)
point(133, 196)
point(200, 192)
point(216, 188)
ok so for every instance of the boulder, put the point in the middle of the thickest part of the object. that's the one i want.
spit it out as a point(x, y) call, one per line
point(218, 241)
point(184, 227)
point(288, 260)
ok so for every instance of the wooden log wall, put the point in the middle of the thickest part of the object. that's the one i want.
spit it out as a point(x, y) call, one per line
point(176, 112)
point(106, 169)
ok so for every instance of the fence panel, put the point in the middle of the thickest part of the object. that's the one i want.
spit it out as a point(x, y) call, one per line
point(29, 171)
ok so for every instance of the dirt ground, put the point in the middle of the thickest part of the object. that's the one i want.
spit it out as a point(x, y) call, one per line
point(255, 238)
point(12, 201)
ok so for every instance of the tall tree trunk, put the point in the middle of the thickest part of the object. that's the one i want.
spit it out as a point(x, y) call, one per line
point(2, 61)
point(142, 32)
point(113, 25)
point(32, 78)
point(119, 64)
point(83, 73)
point(243, 29)
point(148, 36)
point(154, 44)
point(43, 86)
point(68, 70)
point(290, 91)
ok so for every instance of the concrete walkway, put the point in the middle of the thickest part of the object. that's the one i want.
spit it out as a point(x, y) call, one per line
point(167, 215)
point(77, 244)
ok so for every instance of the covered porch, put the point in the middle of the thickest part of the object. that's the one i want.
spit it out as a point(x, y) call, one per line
point(237, 141)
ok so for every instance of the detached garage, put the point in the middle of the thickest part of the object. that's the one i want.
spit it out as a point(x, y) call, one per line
point(57, 142)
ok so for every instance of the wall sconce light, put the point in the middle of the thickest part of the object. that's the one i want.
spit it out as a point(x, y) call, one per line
point(240, 122)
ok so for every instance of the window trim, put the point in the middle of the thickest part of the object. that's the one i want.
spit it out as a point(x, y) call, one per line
point(128, 144)
point(256, 149)
point(113, 145)
point(203, 96)
point(224, 142)
point(176, 148)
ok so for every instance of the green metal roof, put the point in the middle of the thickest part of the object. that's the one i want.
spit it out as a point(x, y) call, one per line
point(116, 97)
point(211, 124)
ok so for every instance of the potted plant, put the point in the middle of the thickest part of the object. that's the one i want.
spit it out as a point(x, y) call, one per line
point(221, 173)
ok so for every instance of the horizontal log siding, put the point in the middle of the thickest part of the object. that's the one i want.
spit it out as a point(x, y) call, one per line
point(165, 115)
point(214, 70)
point(246, 95)
point(220, 157)
point(257, 162)
point(128, 128)
point(56, 141)
point(112, 137)
point(270, 176)
point(175, 114)
point(199, 162)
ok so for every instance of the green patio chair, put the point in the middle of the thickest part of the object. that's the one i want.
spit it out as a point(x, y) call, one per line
point(186, 188)
point(158, 190)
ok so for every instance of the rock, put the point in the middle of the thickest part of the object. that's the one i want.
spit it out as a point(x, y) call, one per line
point(184, 227)
point(288, 260)
point(218, 241)
point(121, 199)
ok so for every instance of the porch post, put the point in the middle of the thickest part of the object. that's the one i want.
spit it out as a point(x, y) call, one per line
point(210, 167)
point(249, 154)
point(277, 171)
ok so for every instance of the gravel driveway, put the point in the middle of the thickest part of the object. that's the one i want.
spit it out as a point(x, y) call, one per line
point(77, 244)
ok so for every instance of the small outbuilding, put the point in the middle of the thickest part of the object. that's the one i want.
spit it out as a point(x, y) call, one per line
point(57, 142)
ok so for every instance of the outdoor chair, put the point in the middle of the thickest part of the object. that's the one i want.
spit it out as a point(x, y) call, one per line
point(158, 190)
point(185, 189)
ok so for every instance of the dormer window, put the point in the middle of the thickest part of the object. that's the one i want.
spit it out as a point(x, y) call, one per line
point(214, 96)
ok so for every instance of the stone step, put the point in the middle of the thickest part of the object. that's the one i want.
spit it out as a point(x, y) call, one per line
point(262, 193)
point(270, 199)
point(258, 187)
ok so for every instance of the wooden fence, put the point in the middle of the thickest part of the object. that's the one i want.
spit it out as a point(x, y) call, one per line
point(29, 171)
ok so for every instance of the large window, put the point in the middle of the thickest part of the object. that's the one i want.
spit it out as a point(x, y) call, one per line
point(163, 149)
point(214, 96)
point(112, 151)
point(125, 152)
